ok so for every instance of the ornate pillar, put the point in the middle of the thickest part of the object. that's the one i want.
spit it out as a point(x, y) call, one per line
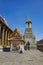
point(6, 40)
point(3, 35)
point(0, 34)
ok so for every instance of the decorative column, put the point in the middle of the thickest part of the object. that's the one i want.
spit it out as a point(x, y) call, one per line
point(0, 34)
point(6, 40)
point(3, 34)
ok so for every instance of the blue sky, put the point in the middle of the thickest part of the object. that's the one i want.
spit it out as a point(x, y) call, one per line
point(16, 12)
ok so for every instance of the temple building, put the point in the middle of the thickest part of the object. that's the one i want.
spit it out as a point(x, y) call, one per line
point(16, 38)
point(5, 32)
point(28, 35)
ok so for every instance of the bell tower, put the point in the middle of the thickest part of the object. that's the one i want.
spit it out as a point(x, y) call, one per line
point(28, 35)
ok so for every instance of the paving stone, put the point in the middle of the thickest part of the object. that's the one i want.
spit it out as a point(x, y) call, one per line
point(29, 57)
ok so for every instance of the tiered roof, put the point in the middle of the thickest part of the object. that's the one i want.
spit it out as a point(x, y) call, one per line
point(4, 22)
point(16, 35)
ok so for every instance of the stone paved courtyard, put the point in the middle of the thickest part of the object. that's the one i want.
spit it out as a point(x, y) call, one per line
point(31, 57)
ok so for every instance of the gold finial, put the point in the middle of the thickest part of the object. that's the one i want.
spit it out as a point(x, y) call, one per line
point(16, 29)
point(28, 21)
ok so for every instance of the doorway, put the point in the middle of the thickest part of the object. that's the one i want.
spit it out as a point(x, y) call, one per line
point(28, 45)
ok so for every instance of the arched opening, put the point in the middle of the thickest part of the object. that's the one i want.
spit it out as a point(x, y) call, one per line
point(28, 45)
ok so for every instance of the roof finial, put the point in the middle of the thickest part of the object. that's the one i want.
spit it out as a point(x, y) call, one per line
point(28, 17)
point(28, 21)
